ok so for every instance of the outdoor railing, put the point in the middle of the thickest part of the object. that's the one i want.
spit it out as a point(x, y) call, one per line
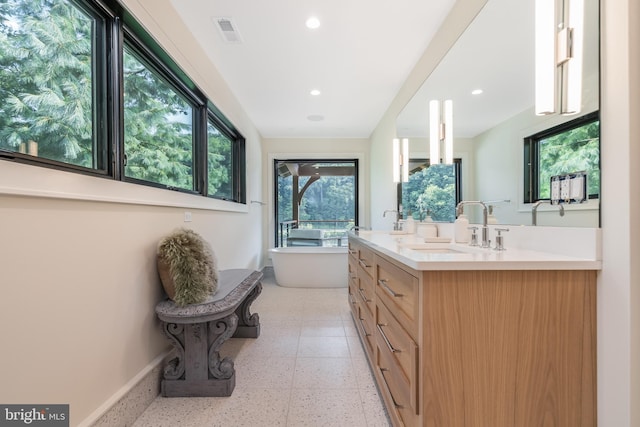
point(335, 230)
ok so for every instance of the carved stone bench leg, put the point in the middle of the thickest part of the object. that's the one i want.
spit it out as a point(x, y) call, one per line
point(248, 324)
point(197, 370)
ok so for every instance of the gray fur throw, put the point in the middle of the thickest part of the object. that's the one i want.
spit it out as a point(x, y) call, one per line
point(187, 267)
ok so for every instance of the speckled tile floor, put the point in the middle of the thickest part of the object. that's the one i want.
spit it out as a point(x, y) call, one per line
point(307, 368)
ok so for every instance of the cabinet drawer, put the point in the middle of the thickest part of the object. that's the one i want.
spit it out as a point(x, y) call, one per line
point(365, 325)
point(352, 298)
point(366, 293)
point(353, 252)
point(352, 271)
point(392, 339)
point(365, 261)
point(395, 390)
point(399, 291)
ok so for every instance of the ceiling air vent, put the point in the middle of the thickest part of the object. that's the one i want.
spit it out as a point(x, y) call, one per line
point(228, 30)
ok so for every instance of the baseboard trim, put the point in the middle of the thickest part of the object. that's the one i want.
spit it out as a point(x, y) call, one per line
point(130, 401)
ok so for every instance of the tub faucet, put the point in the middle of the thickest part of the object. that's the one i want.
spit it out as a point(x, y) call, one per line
point(485, 228)
point(534, 210)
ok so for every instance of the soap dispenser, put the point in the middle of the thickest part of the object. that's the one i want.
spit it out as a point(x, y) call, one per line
point(461, 228)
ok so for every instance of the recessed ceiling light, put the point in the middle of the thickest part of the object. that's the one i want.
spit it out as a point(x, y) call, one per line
point(315, 92)
point(476, 92)
point(315, 118)
point(313, 23)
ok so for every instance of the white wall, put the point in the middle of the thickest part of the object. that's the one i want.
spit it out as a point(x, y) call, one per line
point(77, 259)
point(619, 281)
point(499, 173)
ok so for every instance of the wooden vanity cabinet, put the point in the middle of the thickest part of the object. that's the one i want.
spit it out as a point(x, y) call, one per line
point(509, 348)
point(479, 348)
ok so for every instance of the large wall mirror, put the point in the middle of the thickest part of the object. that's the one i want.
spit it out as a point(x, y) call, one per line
point(495, 54)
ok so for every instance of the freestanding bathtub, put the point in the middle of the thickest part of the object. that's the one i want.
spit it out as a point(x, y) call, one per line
point(310, 267)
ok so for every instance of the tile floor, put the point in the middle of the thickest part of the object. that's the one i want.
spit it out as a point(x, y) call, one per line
point(307, 368)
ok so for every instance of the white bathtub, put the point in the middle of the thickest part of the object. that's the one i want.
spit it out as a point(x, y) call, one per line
point(310, 267)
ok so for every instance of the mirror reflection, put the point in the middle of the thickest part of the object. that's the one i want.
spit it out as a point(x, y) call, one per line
point(489, 75)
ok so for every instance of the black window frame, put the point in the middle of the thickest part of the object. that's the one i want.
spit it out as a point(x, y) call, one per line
point(238, 155)
point(115, 29)
point(149, 59)
point(102, 103)
point(531, 156)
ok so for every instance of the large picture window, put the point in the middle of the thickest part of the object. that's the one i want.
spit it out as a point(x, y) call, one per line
point(220, 165)
point(84, 88)
point(50, 52)
point(158, 128)
point(316, 201)
point(570, 147)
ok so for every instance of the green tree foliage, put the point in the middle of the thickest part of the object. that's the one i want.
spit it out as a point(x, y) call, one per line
point(571, 151)
point(158, 128)
point(219, 167)
point(46, 95)
point(331, 198)
point(284, 195)
point(45, 79)
point(431, 189)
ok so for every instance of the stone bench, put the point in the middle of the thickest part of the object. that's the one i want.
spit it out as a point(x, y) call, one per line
point(197, 332)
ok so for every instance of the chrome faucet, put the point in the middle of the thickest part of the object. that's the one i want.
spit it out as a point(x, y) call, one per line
point(485, 228)
point(534, 210)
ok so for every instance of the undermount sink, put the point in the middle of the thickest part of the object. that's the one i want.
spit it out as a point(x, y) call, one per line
point(434, 248)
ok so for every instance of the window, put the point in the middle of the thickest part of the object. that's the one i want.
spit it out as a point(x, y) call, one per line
point(570, 147)
point(50, 54)
point(220, 163)
point(431, 190)
point(319, 195)
point(84, 88)
point(158, 128)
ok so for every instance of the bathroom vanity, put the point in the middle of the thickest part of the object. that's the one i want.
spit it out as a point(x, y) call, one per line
point(460, 336)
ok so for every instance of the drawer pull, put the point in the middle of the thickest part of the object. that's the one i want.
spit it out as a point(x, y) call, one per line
point(386, 386)
point(352, 252)
point(364, 298)
point(390, 291)
point(364, 264)
point(366, 334)
point(392, 349)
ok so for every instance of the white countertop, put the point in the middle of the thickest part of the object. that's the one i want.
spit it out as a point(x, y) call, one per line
point(414, 252)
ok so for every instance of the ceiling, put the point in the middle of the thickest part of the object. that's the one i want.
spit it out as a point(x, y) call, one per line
point(495, 55)
point(358, 58)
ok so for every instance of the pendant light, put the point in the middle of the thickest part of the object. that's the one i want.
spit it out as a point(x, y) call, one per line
point(558, 54)
point(440, 130)
point(400, 160)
